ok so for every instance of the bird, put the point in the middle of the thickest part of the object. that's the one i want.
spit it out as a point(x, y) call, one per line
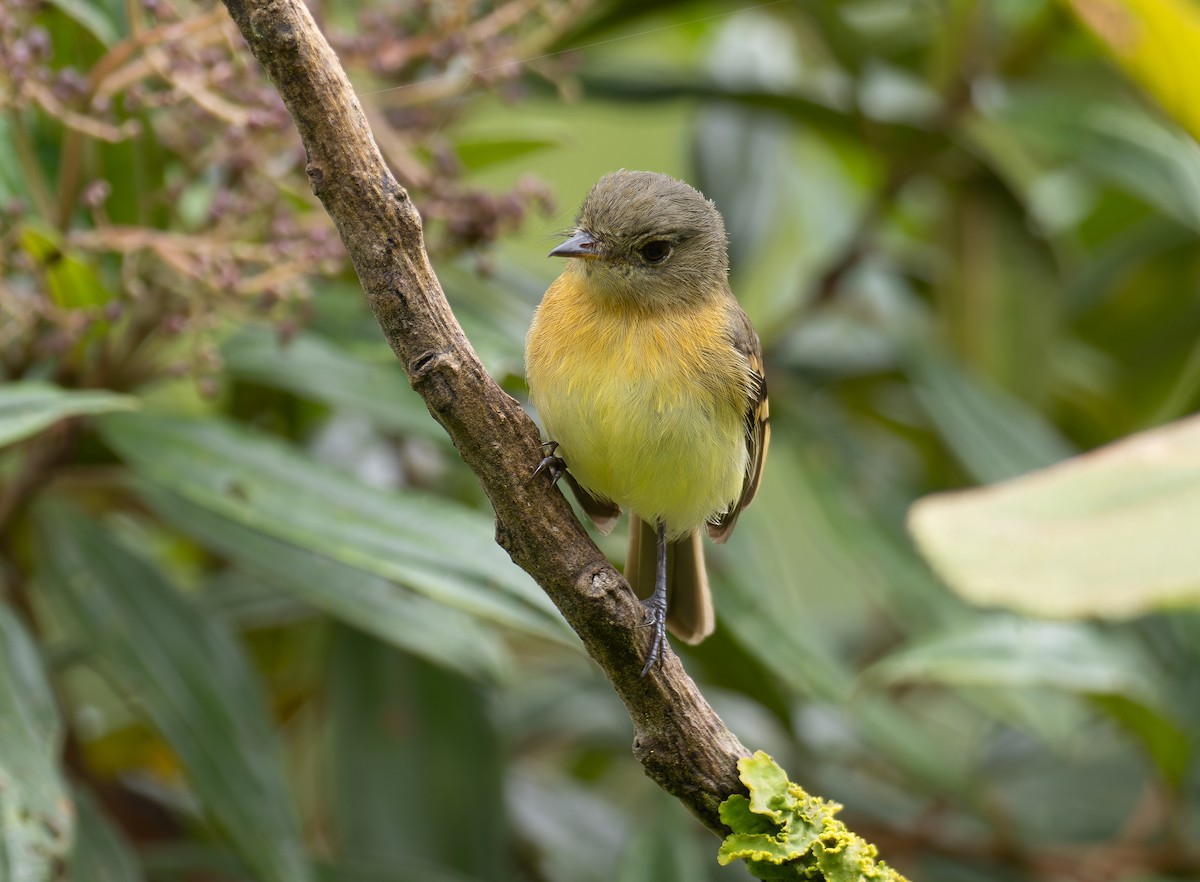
point(648, 378)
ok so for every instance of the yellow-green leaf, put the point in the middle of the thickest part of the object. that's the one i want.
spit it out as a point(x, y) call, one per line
point(1157, 42)
point(72, 282)
point(1110, 533)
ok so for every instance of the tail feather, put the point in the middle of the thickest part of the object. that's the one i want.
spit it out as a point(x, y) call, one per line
point(689, 602)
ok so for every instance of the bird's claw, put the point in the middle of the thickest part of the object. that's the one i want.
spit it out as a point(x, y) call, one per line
point(656, 618)
point(554, 466)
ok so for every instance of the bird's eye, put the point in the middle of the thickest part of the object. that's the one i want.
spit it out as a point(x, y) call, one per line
point(655, 251)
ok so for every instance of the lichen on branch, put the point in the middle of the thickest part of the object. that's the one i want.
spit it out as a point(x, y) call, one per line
point(782, 832)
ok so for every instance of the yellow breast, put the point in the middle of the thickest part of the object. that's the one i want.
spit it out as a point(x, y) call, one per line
point(647, 407)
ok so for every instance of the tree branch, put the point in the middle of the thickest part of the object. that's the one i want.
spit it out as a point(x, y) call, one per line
point(680, 741)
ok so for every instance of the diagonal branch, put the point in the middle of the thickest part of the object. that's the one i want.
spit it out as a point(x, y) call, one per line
point(680, 741)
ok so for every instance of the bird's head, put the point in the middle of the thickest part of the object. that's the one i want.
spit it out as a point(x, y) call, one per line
point(648, 239)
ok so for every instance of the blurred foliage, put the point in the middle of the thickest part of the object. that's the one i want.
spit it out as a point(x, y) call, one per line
point(253, 625)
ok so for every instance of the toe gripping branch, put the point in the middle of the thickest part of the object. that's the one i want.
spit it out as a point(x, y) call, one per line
point(554, 466)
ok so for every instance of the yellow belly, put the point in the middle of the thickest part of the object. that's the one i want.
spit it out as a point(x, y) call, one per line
point(648, 411)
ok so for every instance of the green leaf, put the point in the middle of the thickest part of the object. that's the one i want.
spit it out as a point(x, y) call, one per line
point(190, 676)
point(1124, 146)
point(810, 112)
point(316, 369)
point(71, 282)
point(36, 814)
point(1109, 533)
point(1167, 745)
point(446, 755)
point(91, 17)
point(101, 853)
point(393, 613)
point(663, 844)
point(437, 548)
point(773, 576)
point(480, 151)
point(1009, 653)
point(1006, 651)
point(994, 435)
point(29, 406)
point(737, 814)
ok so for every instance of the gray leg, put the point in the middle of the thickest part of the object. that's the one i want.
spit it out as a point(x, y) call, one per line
point(656, 604)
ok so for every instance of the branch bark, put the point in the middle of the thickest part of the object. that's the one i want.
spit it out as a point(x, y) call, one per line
point(680, 741)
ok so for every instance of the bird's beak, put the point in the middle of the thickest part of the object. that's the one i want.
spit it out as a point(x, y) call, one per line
point(580, 245)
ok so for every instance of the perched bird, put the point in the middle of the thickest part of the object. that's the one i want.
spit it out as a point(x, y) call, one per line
point(648, 378)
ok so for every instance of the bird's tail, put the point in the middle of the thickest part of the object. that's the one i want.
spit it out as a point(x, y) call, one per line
point(689, 603)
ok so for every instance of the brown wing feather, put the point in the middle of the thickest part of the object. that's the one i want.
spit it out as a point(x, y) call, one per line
point(758, 422)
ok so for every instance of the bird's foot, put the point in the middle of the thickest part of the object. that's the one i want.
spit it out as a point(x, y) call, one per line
point(656, 618)
point(554, 466)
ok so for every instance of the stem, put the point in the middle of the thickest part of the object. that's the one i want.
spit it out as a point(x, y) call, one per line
point(30, 168)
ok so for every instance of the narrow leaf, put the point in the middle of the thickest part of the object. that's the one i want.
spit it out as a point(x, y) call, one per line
point(90, 16)
point(481, 151)
point(1011, 652)
point(191, 677)
point(440, 549)
point(994, 435)
point(317, 369)
point(447, 751)
point(29, 407)
point(101, 853)
point(393, 613)
point(36, 815)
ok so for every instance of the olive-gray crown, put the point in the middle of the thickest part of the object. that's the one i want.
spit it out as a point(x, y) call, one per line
point(657, 233)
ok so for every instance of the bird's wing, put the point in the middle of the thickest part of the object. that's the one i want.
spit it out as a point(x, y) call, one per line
point(757, 419)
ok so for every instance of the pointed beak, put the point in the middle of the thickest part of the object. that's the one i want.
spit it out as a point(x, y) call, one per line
point(580, 245)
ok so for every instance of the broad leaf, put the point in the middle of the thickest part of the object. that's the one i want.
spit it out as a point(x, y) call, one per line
point(1110, 533)
point(191, 677)
point(1129, 148)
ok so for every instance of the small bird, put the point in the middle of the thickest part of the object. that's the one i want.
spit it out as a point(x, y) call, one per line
point(648, 378)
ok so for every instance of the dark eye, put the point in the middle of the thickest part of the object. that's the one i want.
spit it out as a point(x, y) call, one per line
point(656, 251)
